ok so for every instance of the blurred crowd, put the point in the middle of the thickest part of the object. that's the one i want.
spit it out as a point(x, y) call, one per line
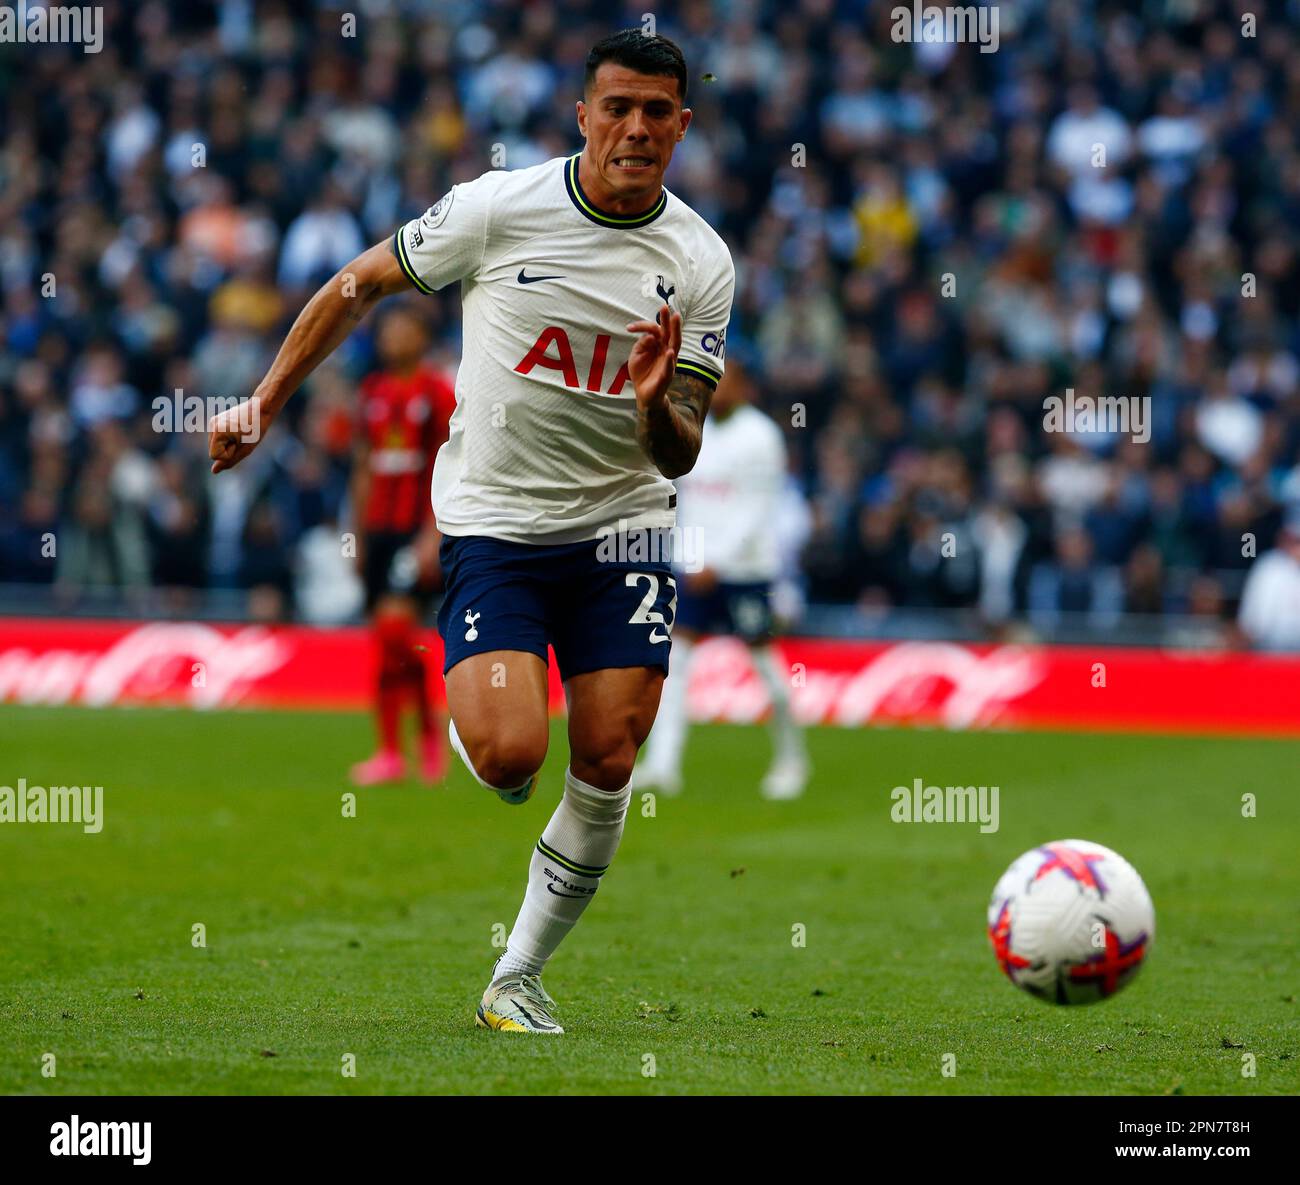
point(930, 241)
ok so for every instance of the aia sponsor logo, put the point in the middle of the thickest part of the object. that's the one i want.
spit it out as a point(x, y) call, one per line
point(553, 351)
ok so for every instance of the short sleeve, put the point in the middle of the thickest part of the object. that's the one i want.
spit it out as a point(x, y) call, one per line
point(446, 242)
point(704, 328)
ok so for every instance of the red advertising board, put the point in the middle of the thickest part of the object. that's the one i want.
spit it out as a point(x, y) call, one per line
point(846, 683)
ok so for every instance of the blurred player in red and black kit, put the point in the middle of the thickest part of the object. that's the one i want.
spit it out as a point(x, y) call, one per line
point(405, 407)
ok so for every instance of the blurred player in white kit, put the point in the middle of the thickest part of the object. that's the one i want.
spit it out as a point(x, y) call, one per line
point(741, 524)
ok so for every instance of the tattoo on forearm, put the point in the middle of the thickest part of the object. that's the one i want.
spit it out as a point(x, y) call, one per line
point(671, 432)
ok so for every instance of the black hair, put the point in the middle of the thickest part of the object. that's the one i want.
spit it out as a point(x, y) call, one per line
point(646, 53)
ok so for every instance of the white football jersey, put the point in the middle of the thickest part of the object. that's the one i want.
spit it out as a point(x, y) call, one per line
point(731, 501)
point(543, 442)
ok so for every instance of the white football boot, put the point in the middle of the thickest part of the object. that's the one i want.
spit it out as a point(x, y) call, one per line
point(517, 1003)
point(787, 778)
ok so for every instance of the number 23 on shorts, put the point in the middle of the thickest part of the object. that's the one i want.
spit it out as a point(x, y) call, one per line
point(646, 613)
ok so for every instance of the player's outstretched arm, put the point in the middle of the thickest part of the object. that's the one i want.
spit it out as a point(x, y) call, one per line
point(336, 309)
point(670, 407)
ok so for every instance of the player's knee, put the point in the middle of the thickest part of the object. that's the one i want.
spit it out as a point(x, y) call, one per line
point(508, 760)
point(607, 766)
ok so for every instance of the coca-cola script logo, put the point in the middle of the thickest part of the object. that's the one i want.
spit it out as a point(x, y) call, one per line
point(187, 662)
point(931, 682)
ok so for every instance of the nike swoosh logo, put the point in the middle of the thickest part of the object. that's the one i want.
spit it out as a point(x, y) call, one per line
point(534, 1020)
point(523, 279)
point(658, 638)
point(556, 891)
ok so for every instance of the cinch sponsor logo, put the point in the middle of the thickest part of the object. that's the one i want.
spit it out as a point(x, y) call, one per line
point(90, 1138)
point(714, 344)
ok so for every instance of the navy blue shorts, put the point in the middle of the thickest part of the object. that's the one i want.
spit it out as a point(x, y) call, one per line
point(741, 610)
point(595, 610)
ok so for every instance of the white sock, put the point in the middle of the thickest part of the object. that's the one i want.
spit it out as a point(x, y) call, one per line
point(663, 750)
point(458, 745)
point(787, 736)
point(575, 849)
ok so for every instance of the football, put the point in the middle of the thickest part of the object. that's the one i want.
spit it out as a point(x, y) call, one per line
point(1071, 922)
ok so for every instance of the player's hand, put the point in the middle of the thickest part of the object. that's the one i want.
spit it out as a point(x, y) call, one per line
point(653, 360)
point(236, 432)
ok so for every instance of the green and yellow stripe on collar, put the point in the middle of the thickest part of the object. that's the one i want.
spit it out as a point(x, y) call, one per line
point(399, 249)
point(698, 370)
point(597, 215)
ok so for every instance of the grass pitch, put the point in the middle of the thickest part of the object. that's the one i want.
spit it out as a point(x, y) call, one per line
point(372, 936)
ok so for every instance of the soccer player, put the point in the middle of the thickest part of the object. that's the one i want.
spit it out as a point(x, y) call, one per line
point(405, 408)
point(728, 521)
point(595, 313)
